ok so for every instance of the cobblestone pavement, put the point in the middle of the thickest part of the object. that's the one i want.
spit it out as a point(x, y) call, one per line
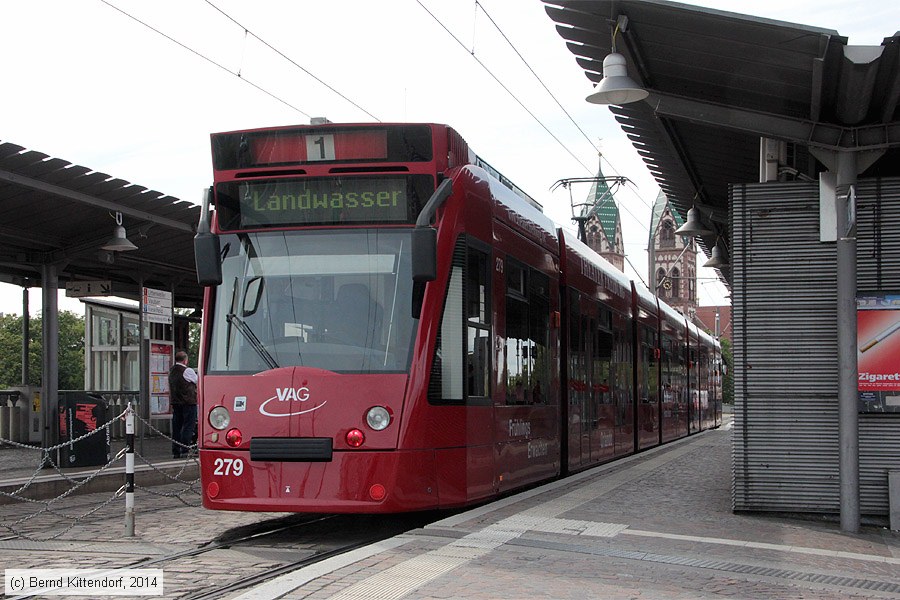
point(164, 526)
point(657, 525)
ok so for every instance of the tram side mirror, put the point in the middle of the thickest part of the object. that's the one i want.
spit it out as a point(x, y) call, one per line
point(424, 264)
point(424, 254)
point(207, 259)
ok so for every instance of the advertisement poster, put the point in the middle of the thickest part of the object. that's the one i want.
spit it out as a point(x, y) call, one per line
point(878, 353)
point(160, 363)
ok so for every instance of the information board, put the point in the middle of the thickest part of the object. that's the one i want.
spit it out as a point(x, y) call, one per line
point(156, 305)
point(161, 354)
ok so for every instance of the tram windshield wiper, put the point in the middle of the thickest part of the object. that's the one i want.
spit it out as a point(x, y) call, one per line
point(239, 324)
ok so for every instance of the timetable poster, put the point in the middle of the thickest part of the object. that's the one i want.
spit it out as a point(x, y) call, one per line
point(878, 353)
point(160, 363)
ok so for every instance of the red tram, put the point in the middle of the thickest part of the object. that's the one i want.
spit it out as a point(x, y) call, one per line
point(391, 325)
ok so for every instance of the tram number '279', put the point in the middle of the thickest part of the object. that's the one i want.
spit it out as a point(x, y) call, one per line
point(228, 466)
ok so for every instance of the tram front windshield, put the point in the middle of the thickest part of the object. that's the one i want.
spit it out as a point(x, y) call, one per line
point(334, 300)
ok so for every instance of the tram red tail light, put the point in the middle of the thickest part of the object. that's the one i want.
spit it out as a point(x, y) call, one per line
point(377, 492)
point(233, 438)
point(212, 490)
point(355, 438)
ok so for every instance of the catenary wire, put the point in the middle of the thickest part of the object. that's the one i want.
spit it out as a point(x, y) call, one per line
point(519, 102)
point(207, 59)
point(502, 85)
point(289, 59)
point(533, 116)
point(551, 94)
point(536, 76)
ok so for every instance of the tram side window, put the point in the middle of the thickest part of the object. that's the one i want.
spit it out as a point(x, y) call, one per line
point(648, 375)
point(539, 318)
point(694, 398)
point(478, 319)
point(668, 372)
point(704, 377)
point(577, 379)
point(527, 335)
point(602, 364)
point(461, 367)
point(623, 369)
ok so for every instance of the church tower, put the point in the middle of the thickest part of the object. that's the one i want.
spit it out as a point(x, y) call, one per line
point(673, 259)
point(602, 227)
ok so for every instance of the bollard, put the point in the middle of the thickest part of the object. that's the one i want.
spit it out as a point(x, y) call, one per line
point(15, 424)
point(116, 409)
point(25, 418)
point(5, 414)
point(129, 471)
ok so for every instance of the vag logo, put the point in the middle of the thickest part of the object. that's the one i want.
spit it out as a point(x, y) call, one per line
point(300, 394)
point(285, 400)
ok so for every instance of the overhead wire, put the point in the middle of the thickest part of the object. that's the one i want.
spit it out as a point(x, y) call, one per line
point(207, 59)
point(502, 85)
point(519, 102)
point(289, 59)
point(536, 76)
point(553, 96)
point(239, 73)
point(629, 184)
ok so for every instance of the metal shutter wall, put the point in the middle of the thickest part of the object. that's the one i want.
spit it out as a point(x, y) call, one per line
point(784, 322)
point(785, 347)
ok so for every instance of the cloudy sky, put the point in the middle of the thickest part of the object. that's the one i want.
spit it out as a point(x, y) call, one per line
point(134, 88)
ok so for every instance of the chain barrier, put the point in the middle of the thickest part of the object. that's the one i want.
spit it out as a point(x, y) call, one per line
point(191, 458)
point(191, 448)
point(61, 509)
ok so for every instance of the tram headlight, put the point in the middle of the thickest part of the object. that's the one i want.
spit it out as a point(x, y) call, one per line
point(219, 418)
point(378, 418)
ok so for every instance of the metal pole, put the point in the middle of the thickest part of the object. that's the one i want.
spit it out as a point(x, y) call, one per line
point(848, 395)
point(50, 360)
point(144, 360)
point(129, 471)
point(26, 337)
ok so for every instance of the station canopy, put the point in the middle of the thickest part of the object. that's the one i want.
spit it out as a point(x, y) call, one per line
point(53, 212)
point(720, 81)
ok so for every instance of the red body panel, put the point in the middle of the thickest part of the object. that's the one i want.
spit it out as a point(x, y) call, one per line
point(341, 485)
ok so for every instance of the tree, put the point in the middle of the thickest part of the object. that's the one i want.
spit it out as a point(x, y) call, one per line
point(193, 348)
point(71, 350)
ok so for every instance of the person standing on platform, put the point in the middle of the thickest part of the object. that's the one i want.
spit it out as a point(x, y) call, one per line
point(183, 393)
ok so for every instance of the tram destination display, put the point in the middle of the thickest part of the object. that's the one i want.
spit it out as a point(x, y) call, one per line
point(287, 202)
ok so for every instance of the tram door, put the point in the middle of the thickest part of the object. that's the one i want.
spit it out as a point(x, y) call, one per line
point(603, 407)
point(693, 388)
point(577, 384)
point(648, 388)
point(622, 386)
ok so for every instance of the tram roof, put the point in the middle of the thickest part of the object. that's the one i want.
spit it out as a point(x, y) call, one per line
point(56, 212)
point(720, 81)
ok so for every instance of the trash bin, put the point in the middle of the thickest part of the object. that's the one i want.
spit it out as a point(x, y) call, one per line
point(81, 413)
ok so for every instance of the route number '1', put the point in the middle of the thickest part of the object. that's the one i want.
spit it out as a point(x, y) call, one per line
point(228, 466)
point(319, 147)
